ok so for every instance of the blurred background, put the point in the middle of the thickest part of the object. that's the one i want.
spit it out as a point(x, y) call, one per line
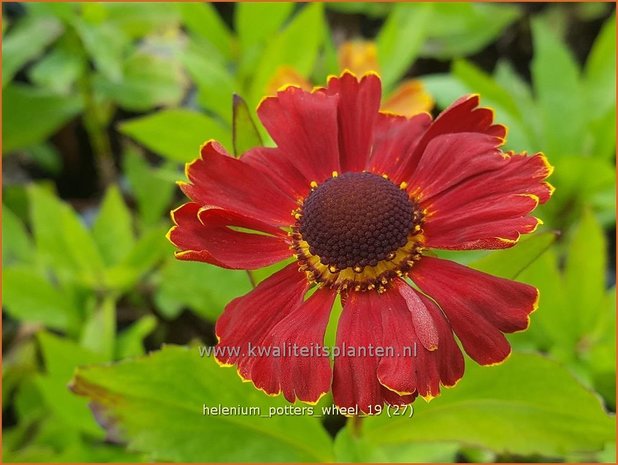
point(103, 103)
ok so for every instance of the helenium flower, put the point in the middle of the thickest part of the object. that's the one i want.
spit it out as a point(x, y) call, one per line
point(357, 199)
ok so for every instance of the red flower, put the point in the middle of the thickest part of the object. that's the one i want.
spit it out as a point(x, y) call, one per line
point(358, 198)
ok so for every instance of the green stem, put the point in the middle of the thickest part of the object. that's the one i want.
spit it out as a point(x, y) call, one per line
point(251, 278)
point(95, 122)
point(97, 133)
point(354, 423)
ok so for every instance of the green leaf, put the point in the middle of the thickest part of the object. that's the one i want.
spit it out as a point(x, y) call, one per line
point(600, 72)
point(528, 405)
point(58, 70)
point(105, 45)
point(180, 383)
point(203, 20)
point(148, 80)
point(400, 39)
point(205, 289)
point(557, 84)
point(585, 271)
point(245, 132)
point(25, 41)
point(130, 341)
point(550, 324)
point(462, 29)
point(509, 263)
point(62, 240)
point(112, 229)
point(176, 134)
point(150, 186)
point(61, 357)
point(30, 297)
point(99, 332)
point(215, 83)
point(147, 252)
point(601, 137)
point(17, 245)
point(306, 28)
point(371, 9)
point(253, 31)
point(579, 180)
point(508, 78)
point(32, 115)
point(350, 449)
point(138, 20)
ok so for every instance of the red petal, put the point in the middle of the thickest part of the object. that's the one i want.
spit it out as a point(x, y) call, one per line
point(283, 173)
point(395, 140)
point(462, 116)
point(450, 159)
point(304, 127)
point(424, 326)
point(449, 357)
point(219, 180)
point(247, 320)
point(398, 372)
point(479, 306)
point(355, 380)
point(489, 210)
point(359, 103)
point(204, 235)
point(412, 367)
point(306, 377)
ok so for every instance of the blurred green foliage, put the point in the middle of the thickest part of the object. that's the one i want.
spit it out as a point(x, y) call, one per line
point(93, 280)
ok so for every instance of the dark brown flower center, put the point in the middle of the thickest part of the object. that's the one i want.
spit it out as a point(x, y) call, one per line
point(356, 219)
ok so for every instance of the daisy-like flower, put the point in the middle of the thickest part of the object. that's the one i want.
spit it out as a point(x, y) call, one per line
point(357, 199)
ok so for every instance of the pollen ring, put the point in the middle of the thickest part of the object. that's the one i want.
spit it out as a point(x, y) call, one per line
point(357, 231)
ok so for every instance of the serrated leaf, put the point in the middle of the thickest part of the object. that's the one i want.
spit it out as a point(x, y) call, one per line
point(245, 132)
point(61, 357)
point(528, 405)
point(149, 249)
point(181, 383)
point(62, 240)
point(28, 296)
point(176, 134)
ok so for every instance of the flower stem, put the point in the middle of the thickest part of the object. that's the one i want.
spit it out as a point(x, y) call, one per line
point(251, 278)
point(354, 423)
point(97, 133)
